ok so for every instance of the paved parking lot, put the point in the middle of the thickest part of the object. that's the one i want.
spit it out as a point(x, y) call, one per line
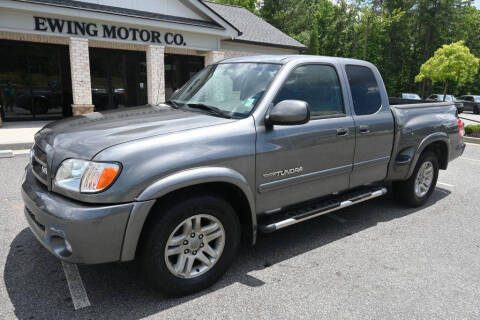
point(376, 260)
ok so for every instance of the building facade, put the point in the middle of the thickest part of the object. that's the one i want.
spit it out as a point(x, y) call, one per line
point(63, 57)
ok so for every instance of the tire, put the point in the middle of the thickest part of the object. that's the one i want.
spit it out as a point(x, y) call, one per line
point(167, 229)
point(405, 191)
point(475, 109)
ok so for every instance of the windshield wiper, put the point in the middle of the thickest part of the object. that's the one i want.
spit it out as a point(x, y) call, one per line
point(208, 108)
point(172, 104)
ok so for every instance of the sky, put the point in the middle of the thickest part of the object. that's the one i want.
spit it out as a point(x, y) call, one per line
point(477, 4)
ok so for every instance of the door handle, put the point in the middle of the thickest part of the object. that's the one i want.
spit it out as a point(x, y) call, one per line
point(364, 129)
point(342, 132)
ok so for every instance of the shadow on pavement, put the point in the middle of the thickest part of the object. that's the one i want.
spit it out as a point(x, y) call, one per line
point(37, 287)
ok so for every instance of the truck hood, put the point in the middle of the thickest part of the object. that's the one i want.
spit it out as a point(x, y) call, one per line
point(84, 136)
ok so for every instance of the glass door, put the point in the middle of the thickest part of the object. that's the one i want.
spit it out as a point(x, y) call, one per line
point(118, 78)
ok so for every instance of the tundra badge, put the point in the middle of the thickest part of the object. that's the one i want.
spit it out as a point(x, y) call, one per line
point(282, 173)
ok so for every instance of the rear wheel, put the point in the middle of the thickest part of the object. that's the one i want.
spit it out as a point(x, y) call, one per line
point(191, 245)
point(418, 188)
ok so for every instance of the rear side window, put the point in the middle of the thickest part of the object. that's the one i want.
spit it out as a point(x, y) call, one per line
point(316, 84)
point(365, 90)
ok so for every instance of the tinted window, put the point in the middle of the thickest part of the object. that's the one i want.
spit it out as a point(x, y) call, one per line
point(365, 90)
point(316, 84)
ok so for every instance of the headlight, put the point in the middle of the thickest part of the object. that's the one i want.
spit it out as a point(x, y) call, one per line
point(86, 176)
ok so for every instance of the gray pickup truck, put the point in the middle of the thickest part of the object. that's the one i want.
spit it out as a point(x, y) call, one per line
point(248, 144)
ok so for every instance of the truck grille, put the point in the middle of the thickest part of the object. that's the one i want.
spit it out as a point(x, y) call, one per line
point(39, 165)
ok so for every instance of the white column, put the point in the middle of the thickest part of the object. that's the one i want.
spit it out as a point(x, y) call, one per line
point(80, 71)
point(214, 56)
point(156, 74)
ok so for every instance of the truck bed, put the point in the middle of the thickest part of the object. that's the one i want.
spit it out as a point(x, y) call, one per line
point(418, 124)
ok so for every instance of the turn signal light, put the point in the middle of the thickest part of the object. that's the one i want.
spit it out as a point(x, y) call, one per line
point(99, 176)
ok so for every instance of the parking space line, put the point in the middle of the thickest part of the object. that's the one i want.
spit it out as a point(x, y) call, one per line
point(470, 159)
point(446, 184)
point(472, 144)
point(75, 285)
point(19, 152)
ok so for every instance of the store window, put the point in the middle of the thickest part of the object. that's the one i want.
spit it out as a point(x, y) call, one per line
point(35, 81)
point(179, 69)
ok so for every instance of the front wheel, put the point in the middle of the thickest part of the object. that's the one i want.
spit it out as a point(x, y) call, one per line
point(475, 110)
point(418, 188)
point(190, 245)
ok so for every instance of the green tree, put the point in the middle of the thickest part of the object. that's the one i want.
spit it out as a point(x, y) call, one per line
point(314, 45)
point(452, 62)
point(248, 4)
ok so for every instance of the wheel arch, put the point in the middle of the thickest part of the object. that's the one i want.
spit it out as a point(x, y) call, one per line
point(438, 143)
point(221, 181)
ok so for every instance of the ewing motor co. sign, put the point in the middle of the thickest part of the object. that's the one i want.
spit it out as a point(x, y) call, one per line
point(95, 30)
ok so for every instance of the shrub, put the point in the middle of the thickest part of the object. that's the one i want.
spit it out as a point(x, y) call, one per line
point(472, 130)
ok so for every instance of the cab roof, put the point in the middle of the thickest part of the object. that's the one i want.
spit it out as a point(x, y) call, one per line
point(283, 59)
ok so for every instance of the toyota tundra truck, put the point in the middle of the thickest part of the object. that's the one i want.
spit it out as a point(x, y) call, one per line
point(248, 145)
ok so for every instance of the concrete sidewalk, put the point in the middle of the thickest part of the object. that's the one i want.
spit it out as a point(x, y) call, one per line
point(19, 135)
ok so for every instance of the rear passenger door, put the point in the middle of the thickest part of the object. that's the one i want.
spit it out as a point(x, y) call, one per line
point(374, 125)
point(319, 153)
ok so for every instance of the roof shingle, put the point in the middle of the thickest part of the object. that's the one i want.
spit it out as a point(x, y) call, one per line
point(253, 28)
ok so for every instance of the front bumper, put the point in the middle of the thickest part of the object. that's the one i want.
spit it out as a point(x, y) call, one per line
point(73, 231)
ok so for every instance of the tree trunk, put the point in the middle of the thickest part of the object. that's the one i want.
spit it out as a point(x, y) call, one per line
point(445, 90)
point(367, 31)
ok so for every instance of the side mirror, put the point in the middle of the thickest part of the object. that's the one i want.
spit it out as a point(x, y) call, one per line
point(289, 112)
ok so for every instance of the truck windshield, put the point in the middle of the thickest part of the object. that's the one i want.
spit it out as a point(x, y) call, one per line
point(411, 96)
point(231, 89)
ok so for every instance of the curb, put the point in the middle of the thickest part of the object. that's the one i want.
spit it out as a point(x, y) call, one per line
point(471, 140)
point(16, 146)
point(6, 153)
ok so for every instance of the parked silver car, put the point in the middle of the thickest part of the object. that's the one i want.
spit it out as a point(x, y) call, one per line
point(449, 98)
point(410, 96)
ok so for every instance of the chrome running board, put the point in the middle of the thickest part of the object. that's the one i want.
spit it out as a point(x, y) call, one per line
point(313, 210)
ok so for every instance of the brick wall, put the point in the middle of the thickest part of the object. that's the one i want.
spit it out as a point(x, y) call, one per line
point(80, 69)
point(236, 54)
point(214, 56)
point(155, 74)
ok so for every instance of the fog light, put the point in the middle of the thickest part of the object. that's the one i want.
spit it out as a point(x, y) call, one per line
point(60, 246)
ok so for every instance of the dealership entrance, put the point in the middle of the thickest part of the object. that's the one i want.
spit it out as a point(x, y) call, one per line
point(118, 78)
point(35, 81)
point(63, 58)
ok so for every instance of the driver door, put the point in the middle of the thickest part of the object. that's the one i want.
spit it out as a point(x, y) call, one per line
point(295, 163)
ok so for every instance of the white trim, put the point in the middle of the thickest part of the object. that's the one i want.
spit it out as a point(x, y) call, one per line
point(75, 13)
